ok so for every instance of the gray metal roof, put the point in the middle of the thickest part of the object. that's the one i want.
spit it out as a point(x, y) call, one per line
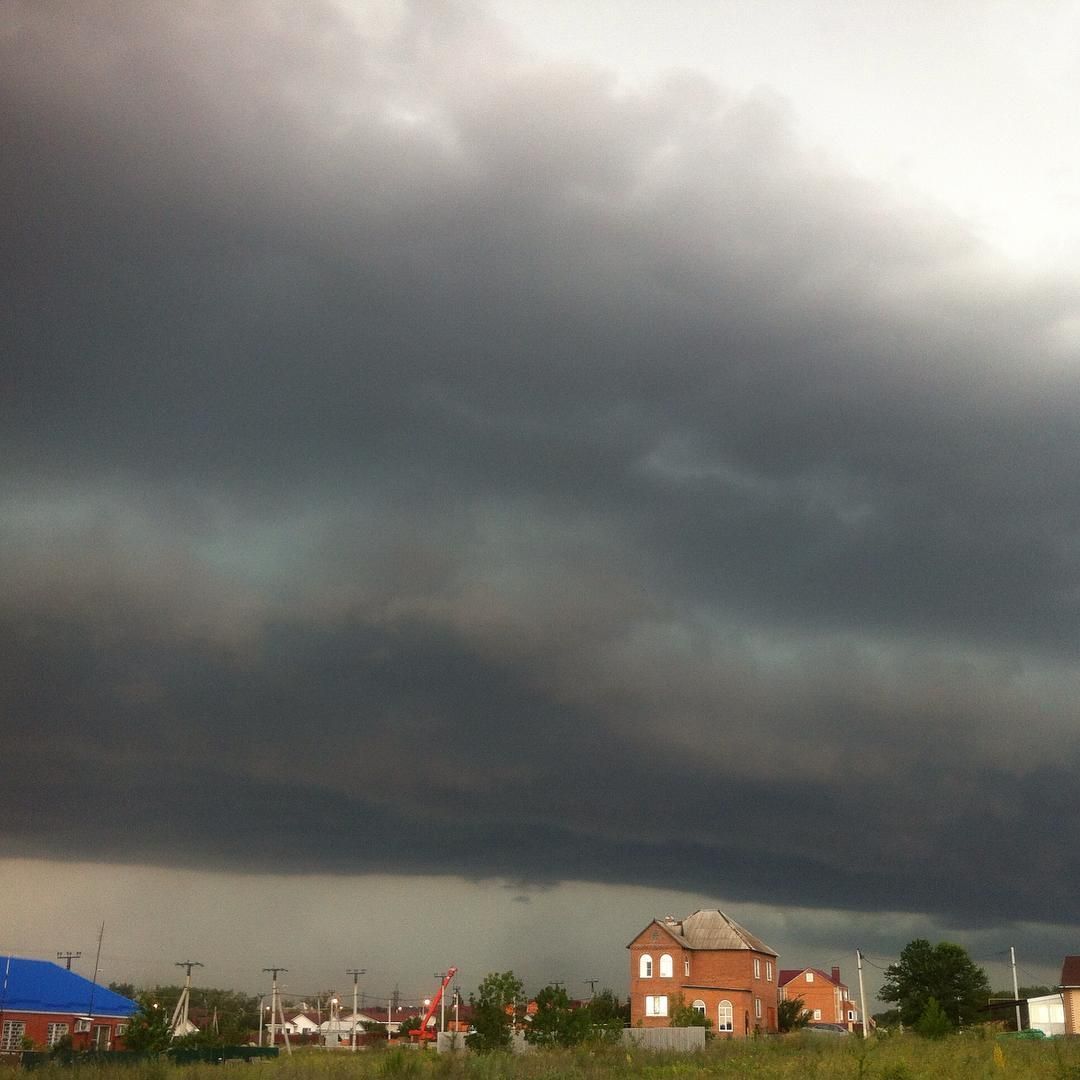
point(715, 930)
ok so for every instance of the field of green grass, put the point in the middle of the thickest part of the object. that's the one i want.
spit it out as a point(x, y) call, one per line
point(807, 1058)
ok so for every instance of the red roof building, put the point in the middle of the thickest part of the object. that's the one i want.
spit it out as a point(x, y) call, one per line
point(825, 996)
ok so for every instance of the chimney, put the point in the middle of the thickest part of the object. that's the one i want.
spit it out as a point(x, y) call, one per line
point(836, 975)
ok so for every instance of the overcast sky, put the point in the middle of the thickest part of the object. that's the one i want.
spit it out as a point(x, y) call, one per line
point(478, 476)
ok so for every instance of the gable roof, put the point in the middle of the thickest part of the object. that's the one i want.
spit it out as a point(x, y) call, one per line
point(711, 930)
point(787, 974)
point(42, 986)
point(1070, 971)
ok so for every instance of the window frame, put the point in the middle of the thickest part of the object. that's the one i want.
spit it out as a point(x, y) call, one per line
point(667, 966)
point(645, 966)
point(11, 1035)
point(55, 1031)
point(757, 1008)
point(656, 1005)
point(757, 967)
point(725, 1016)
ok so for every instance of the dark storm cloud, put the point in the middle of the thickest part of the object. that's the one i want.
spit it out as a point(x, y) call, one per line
point(402, 437)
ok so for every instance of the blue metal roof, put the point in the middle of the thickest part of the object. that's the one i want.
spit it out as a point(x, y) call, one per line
point(42, 986)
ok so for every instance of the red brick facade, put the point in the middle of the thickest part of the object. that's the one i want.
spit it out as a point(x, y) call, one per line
point(734, 987)
point(826, 998)
point(44, 1029)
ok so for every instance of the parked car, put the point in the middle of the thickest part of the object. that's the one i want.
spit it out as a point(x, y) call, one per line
point(827, 1029)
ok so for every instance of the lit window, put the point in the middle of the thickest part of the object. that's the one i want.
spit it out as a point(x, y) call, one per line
point(12, 1036)
point(667, 969)
point(656, 1006)
point(757, 968)
point(768, 971)
point(686, 966)
point(54, 1033)
point(699, 1006)
point(724, 1017)
point(757, 1008)
point(645, 967)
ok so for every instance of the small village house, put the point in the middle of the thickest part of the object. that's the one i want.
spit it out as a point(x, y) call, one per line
point(42, 1002)
point(825, 996)
point(718, 967)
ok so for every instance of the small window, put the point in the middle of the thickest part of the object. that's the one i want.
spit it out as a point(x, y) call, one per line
point(120, 1029)
point(656, 1006)
point(82, 1025)
point(757, 1008)
point(667, 967)
point(698, 1006)
point(768, 971)
point(724, 1017)
point(851, 1014)
point(757, 968)
point(12, 1036)
point(817, 1014)
point(54, 1033)
point(686, 966)
point(645, 967)
point(809, 976)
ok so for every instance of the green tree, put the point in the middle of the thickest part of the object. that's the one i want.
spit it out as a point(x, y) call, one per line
point(556, 1022)
point(149, 1029)
point(683, 1015)
point(792, 1014)
point(607, 1016)
point(943, 972)
point(933, 1024)
point(494, 1009)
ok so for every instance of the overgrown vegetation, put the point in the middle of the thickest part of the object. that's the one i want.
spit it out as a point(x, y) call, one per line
point(799, 1057)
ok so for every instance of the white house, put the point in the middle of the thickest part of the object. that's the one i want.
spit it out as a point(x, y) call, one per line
point(1047, 1014)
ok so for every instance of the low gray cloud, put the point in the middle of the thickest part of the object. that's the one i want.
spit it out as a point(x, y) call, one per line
point(405, 437)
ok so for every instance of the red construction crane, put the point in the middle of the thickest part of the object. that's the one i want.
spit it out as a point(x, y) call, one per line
point(422, 1032)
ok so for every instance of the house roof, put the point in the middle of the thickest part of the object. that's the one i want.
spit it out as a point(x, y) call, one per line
point(1070, 971)
point(42, 986)
point(787, 974)
point(712, 930)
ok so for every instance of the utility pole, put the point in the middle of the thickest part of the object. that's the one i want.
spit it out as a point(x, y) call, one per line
point(1016, 988)
point(275, 1001)
point(355, 973)
point(180, 1013)
point(68, 957)
point(592, 986)
point(862, 998)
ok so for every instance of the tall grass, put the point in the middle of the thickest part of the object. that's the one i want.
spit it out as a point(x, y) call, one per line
point(808, 1058)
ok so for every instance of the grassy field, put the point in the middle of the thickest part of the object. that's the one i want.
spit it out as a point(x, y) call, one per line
point(809, 1058)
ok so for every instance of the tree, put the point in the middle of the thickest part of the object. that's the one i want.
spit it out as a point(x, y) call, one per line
point(149, 1030)
point(792, 1014)
point(933, 1024)
point(608, 1016)
point(683, 1015)
point(556, 1022)
point(494, 1009)
point(943, 972)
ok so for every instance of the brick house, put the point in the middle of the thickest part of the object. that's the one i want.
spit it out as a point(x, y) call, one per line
point(1070, 994)
point(718, 967)
point(44, 1002)
point(826, 997)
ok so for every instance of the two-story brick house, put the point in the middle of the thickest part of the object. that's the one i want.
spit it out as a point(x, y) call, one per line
point(717, 966)
point(826, 997)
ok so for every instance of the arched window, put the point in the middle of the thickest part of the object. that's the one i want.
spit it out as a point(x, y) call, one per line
point(667, 968)
point(698, 1006)
point(645, 967)
point(724, 1017)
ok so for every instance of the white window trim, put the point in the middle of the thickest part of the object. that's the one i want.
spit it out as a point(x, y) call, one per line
point(645, 966)
point(757, 967)
point(757, 1008)
point(817, 1014)
point(686, 966)
point(667, 966)
point(768, 971)
point(725, 1016)
point(699, 1006)
point(656, 1005)
point(809, 976)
